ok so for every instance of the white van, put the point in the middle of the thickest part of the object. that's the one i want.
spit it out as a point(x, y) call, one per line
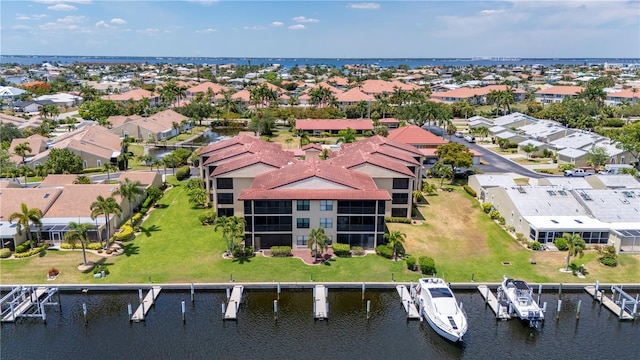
point(470, 138)
point(614, 169)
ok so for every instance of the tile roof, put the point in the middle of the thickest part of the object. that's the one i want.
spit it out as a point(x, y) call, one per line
point(54, 180)
point(334, 124)
point(236, 140)
point(354, 95)
point(560, 90)
point(412, 134)
point(238, 150)
point(351, 159)
point(465, 93)
point(387, 143)
point(145, 177)
point(269, 158)
point(203, 87)
point(382, 149)
point(12, 199)
point(76, 200)
point(135, 95)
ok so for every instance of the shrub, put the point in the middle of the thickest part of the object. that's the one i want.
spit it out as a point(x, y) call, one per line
point(53, 272)
point(100, 269)
point(520, 237)
point(125, 234)
point(207, 217)
point(5, 253)
point(143, 210)
point(357, 250)
point(241, 251)
point(91, 246)
point(501, 220)
point(494, 214)
point(136, 218)
point(546, 171)
point(469, 190)
point(385, 251)
point(35, 250)
point(147, 202)
point(486, 207)
point(609, 256)
point(561, 244)
point(411, 263)
point(183, 173)
point(91, 170)
point(341, 250)
point(24, 247)
point(109, 251)
point(280, 251)
point(563, 167)
point(536, 245)
point(609, 261)
point(427, 265)
point(401, 220)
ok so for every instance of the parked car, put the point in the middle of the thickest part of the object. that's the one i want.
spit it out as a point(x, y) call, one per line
point(578, 172)
point(615, 169)
point(458, 134)
point(470, 138)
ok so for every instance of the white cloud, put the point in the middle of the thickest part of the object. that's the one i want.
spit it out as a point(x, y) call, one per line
point(149, 31)
point(205, 31)
point(63, 1)
point(277, 23)
point(62, 7)
point(257, 27)
point(366, 5)
point(118, 21)
point(296, 27)
point(30, 17)
point(491, 12)
point(20, 27)
point(203, 2)
point(302, 19)
point(103, 24)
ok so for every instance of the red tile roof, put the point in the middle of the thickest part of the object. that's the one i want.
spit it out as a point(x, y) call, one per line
point(415, 135)
point(238, 150)
point(240, 139)
point(384, 150)
point(465, 93)
point(334, 124)
point(354, 95)
point(351, 159)
point(203, 87)
point(269, 158)
point(560, 90)
point(385, 142)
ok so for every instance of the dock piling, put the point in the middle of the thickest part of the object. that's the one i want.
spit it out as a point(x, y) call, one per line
point(129, 312)
point(193, 290)
point(223, 310)
point(153, 298)
point(184, 318)
point(558, 310)
point(363, 287)
point(140, 295)
point(559, 290)
point(539, 292)
point(278, 291)
point(84, 312)
point(44, 314)
point(228, 293)
point(144, 314)
point(368, 308)
point(578, 309)
point(595, 293)
point(486, 295)
point(624, 303)
point(544, 307)
point(275, 310)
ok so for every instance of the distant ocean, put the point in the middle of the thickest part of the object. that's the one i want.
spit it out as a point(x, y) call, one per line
point(331, 62)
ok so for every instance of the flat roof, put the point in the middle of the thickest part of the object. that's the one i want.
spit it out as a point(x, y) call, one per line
point(577, 223)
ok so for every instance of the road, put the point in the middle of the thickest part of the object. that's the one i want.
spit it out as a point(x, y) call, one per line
point(495, 162)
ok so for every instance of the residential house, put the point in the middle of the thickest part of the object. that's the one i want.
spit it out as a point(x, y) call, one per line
point(481, 182)
point(204, 87)
point(30, 106)
point(157, 127)
point(475, 96)
point(352, 97)
point(61, 99)
point(625, 96)
point(333, 126)
point(536, 144)
point(514, 120)
point(10, 92)
point(557, 93)
point(135, 96)
point(424, 140)
point(37, 143)
point(613, 182)
point(545, 131)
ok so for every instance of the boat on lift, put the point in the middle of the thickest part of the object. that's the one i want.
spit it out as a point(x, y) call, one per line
point(439, 307)
point(519, 297)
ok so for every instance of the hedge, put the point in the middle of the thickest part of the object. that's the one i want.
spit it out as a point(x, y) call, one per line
point(402, 220)
point(280, 251)
point(5, 253)
point(561, 244)
point(35, 250)
point(207, 217)
point(486, 207)
point(125, 234)
point(427, 265)
point(358, 250)
point(384, 251)
point(494, 214)
point(92, 170)
point(341, 250)
point(89, 246)
point(469, 190)
point(411, 263)
point(183, 173)
point(136, 218)
point(22, 248)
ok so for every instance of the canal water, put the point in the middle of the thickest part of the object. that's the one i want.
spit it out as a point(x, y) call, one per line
point(296, 335)
point(205, 138)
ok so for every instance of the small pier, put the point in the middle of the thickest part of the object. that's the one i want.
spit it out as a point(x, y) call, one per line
point(501, 309)
point(231, 313)
point(407, 302)
point(625, 310)
point(145, 305)
point(26, 301)
point(320, 304)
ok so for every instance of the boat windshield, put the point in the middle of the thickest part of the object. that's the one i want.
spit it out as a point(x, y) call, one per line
point(440, 292)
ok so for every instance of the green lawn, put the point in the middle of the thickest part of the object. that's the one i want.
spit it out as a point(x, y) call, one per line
point(174, 247)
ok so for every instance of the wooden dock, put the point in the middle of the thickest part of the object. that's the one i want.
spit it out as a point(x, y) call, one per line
point(145, 305)
point(501, 310)
point(231, 313)
point(608, 303)
point(407, 302)
point(320, 304)
point(20, 309)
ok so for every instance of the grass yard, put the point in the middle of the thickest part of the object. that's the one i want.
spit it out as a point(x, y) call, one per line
point(173, 247)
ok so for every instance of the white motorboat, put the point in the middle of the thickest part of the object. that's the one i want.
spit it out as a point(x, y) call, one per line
point(439, 307)
point(519, 297)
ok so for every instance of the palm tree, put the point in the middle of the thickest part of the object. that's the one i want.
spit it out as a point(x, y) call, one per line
point(109, 167)
point(24, 218)
point(288, 141)
point(22, 150)
point(576, 246)
point(347, 136)
point(106, 207)
point(417, 195)
point(227, 102)
point(317, 241)
point(395, 240)
point(79, 233)
point(25, 171)
point(130, 190)
point(361, 107)
point(198, 197)
point(157, 163)
point(232, 228)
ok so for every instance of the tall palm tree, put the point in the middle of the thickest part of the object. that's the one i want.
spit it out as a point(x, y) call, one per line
point(25, 217)
point(22, 150)
point(317, 241)
point(130, 190)
point(347, 136)
point(79, 233)
point(105, 206)
point(228, 102)
point(109, 167)
point(232, 228)
point(576, 246)
point(395, 240)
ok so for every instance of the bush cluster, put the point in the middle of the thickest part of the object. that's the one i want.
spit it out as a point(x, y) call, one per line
point(411, 263)
point(91, 170)
point(207, 217)
point(357, 250)
point(563, 167)
point(242, 251)
point(125, 234)
point(35, 250)
point(427, 265)
point(5, 253)
point(385, 251)
point(401, 220)
point(100, 269)
point(486, 207)
point(609, 256)
point(341, 250)
point(183, 173)
point(494, 214)
point(24, 247)
point(535, 245)
point(561, 244)
point(469, 190)
point(280, 251)
point(136, 218)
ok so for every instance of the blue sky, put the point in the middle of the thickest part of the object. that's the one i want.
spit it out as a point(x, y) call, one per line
point(339, 29)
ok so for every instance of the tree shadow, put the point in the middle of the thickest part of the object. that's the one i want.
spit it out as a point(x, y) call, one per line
point(103, 262)
point(147, 231)
point(242, 260)
point(161, 206)
point(130, 249)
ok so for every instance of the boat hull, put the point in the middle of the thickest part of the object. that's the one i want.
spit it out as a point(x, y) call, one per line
point(445, 334)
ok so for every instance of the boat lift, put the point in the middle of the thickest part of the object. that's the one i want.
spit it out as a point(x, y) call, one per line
point(27, 301)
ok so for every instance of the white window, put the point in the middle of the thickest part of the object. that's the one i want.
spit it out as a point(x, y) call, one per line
point(99, 163)
point(302, 240)
point(326, 223)
point(326, 205)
